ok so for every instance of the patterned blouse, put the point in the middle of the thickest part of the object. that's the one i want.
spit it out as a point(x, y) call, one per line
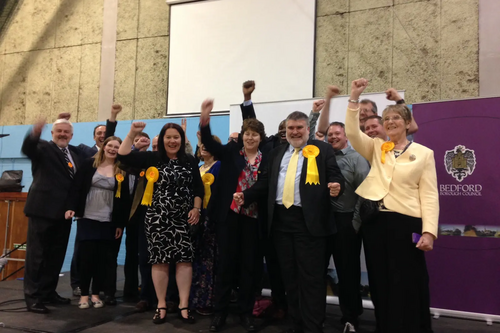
point(247, 178)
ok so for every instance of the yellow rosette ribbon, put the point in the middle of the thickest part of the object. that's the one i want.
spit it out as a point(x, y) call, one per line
point(310, 152)
point(119, 178)
point(207, 179)
point(386, 147)
point(152, 175)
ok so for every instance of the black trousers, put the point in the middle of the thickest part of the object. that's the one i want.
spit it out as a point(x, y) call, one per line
point(302, 261)
point(266, 249)
point(345, 246)
point(45, 250)
point(131, 269)
point(75, 266)
point(147, 288)
point(397, 272)
point(96, 261)
point(113, 265)
point(237, 241)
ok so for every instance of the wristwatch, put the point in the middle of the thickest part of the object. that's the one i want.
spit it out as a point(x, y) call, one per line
point(401, 101)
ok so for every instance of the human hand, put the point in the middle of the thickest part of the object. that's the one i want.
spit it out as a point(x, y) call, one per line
point(334, 189)
point(332, 91)
point(248, 88)
point(38, 127)
point(193, 216)
point(206, 108)
point(69, 214)
point(239, 198)
point(142, 143)
point(115, 110)
point(118, 233)
point(393, 95)
point(357, 87)
point(184, 124)
point(137, 127)
point(64, 115)
point(318, 105)
point(426, 242)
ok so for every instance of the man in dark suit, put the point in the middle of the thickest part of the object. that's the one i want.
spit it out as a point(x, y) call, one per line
point(300, 217)
point(53, 164)
point(101, 133)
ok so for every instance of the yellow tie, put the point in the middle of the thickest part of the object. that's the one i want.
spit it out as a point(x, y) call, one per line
point(289, 188)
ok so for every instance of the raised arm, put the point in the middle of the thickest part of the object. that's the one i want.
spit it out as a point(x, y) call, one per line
point(313, 117)
point(247, 110)
point(361, 142)
point(30, 143)
point(111, 122)
point(215, 148)
point(324, 118)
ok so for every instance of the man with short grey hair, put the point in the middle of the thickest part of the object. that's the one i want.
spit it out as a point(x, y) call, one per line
point(53, 164)
point(301, 178)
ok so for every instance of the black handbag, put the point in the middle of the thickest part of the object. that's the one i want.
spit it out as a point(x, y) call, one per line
point(11, 181)
point(368, 210)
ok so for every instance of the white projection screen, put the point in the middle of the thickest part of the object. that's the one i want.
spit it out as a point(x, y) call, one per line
point(215, 45)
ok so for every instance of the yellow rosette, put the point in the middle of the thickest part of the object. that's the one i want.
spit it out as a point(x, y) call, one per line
point(152, 175)
point(386, 147)
point(310, 152)
point(119, 178)
point(207, 179)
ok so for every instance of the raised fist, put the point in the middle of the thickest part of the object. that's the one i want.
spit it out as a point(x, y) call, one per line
point(116, 108)
point(357, 87)
point(393, 95)
point(137, 127)
point(318, 105)
point(64, 115)
point(248, 87)
point(332, 91)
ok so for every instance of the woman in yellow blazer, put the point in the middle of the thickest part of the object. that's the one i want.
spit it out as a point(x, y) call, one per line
point(403, 183)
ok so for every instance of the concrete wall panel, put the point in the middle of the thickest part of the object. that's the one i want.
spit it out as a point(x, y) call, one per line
point(331, 52)
point(151, 78)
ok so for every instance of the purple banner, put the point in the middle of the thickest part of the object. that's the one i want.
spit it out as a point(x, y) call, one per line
point(465, 136)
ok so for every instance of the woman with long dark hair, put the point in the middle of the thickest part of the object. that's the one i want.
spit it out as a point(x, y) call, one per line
point(174, 194)
point(100, 189)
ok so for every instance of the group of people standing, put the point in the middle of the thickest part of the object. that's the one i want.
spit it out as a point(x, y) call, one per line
point(291, 198)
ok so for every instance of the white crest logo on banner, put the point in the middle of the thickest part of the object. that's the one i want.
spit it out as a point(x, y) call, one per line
point(460, 162)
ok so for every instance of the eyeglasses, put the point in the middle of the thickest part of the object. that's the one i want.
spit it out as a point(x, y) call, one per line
point(393, 118)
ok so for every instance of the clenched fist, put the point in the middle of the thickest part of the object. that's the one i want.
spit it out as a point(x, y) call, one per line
point(334, 189)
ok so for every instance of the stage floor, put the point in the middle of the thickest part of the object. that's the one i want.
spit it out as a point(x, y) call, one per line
point(123, 319)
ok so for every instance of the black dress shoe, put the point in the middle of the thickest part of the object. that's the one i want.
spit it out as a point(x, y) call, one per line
point(57, 299)
point(38, 308)
point(187, 320)
point(110, 300)
point(142, 306)
point(247, 322)
point(217, 323)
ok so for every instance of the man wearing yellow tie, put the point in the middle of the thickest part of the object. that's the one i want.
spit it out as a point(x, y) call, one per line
point(300, 181)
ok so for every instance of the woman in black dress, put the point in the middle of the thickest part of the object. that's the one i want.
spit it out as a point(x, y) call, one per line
point(175, 204)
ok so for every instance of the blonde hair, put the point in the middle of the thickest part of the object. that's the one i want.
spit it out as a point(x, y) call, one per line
point(99, 156)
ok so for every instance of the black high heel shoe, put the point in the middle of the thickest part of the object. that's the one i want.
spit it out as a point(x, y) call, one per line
point(189, 320)
point(157, 319)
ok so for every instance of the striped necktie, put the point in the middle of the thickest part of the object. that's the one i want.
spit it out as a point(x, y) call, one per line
point(68, 162)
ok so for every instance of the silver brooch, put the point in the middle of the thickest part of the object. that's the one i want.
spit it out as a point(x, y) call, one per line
point(412, 157)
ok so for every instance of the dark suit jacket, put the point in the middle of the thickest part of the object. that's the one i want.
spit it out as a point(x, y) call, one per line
point(81, 186)
point(87, 151)
point(232, 163)
point(51, 179)
point(315, 199)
